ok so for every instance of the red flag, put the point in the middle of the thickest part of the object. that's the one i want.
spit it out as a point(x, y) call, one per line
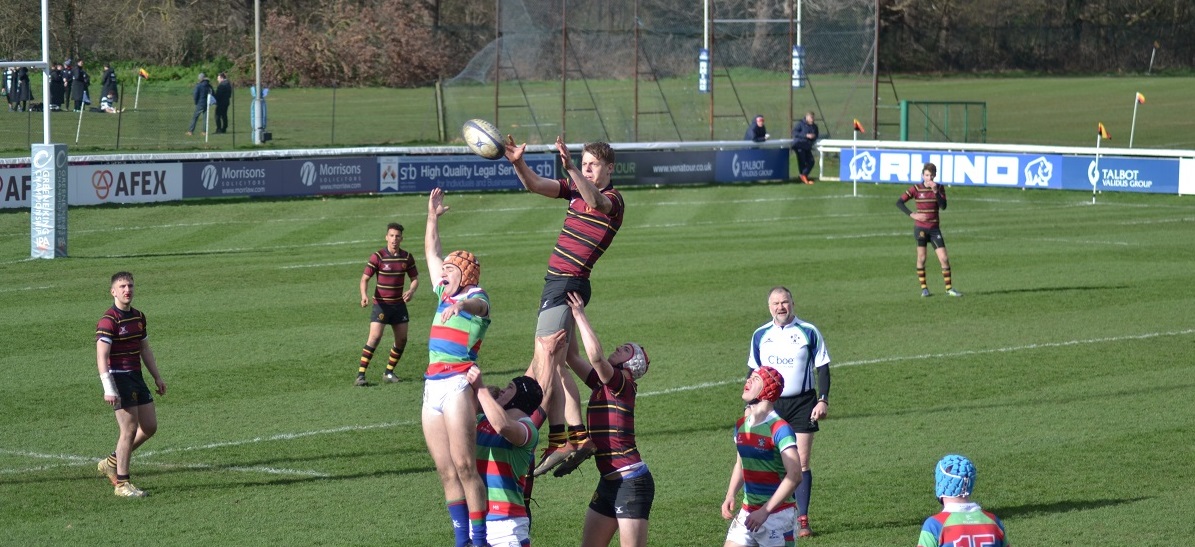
point(859, 126)
point(142, 73)
point(1103, 132)
point(1140, 98)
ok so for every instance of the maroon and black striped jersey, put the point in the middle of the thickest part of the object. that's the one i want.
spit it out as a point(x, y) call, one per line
point(123, 331)
point(611, 416)
point(926, 201)
point(586, 233)
point(392, 271)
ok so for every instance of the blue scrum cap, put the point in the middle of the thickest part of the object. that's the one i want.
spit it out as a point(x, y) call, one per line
point(954, 477)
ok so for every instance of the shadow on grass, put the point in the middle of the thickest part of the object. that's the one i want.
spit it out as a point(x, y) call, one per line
point(1066, 506)
point(1005, 513)
point(1051, 289)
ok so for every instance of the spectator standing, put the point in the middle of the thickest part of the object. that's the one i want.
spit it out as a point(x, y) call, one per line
point(57, 93)
point(108, 82)
point(9, 85)
point(202, 90)
point(68, 75)
point(223, 98)
point(80, 82)
point(23, 92)
point(804, 135)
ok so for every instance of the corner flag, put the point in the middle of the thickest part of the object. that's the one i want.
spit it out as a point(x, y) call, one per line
point(1103, 132)
point(859, 126)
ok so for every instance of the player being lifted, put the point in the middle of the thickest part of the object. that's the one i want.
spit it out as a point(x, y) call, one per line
point(392, 264)
point(592, 219)
point(449, 419)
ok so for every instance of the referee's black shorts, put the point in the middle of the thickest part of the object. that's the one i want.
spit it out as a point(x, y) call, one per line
point(798, 410)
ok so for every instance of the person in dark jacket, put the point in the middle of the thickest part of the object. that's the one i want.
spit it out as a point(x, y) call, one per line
point(757, 131)
point(202, 90)
point(804, 135)
point(23, 93)
point(80, 82)
point(108, 82)
point(223, 98)
point(57, 94)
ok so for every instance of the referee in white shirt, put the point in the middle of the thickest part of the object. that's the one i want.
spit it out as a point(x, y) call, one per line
point(797, 350)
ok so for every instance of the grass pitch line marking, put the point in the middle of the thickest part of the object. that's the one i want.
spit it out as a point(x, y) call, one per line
point(1018, 348)
point(278, 437)
point(41, 456)
point(26, 289)
point(321, 265)
point(925, 356)
point(243, 469)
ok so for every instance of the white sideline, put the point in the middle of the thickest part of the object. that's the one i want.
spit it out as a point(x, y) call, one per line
point(940, 356)
point(80, 460)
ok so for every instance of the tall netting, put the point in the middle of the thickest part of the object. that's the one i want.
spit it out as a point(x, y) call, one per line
point(625, 70)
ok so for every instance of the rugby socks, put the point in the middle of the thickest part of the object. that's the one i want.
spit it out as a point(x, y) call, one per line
point(946, 277)
point(366, 356)
point(477, 527)
point(557, 436)
point(459, 513)
point(395, 355)
point(112, 460)
point(921, 277)
point(122, 478)
point(803, 492)
point(577, 434)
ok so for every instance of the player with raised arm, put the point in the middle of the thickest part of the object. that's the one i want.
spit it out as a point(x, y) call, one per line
point(961, 522)
point(392, 265)
point(623, 499)
point(507, 432)
point(449, 419)
point(592, 219)
point(121, 346)
point(767, 468)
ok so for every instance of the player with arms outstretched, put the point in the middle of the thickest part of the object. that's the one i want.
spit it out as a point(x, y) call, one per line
point(592, 219)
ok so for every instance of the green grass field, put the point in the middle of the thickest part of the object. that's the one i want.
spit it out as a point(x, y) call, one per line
point(1050, 111)
point(1065, 372)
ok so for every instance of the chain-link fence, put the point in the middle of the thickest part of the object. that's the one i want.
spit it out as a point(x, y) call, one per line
point(153, 118)
point(622, 70)
point(633, 75)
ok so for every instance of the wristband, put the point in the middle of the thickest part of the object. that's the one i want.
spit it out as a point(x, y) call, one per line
point(109, 385)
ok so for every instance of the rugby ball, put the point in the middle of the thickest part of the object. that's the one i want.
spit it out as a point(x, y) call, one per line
point(483, 139)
